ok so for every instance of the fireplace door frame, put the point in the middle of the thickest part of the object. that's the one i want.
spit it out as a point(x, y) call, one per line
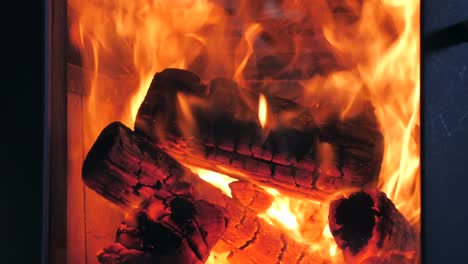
point(54, 245)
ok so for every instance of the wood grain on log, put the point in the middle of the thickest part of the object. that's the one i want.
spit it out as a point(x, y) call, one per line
point(215, 127)
point(369, 229)
point(128, 169)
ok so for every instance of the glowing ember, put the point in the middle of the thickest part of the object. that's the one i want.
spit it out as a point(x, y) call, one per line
point(262, 110)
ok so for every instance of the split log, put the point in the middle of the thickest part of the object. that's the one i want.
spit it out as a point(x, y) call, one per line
point(127, 169)
point(216, 127)
point(368, 228)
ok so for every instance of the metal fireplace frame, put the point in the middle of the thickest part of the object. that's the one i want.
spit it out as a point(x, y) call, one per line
point(54, 243)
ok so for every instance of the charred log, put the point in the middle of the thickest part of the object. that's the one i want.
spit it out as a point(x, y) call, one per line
point(174, 229)
point(369, 229)
point(215, 126)
point(127, 169)
point(172, 226)
point(117, 253)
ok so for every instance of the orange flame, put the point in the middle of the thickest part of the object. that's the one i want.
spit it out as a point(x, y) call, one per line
point(136, 39)
point(378, 56)
point(250, 35)
point(391, 72)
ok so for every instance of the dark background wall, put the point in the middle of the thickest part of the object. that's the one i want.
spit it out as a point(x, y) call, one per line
point(445, 137)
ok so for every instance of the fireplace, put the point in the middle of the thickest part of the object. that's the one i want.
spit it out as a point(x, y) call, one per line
point(290, 114)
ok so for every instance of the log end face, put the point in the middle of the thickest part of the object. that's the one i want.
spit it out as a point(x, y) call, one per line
point(352, 220)
point(101, 146)
point(368, 228)
point(96, 160)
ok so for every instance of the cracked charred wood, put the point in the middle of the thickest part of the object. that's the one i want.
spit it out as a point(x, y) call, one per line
point(167, 229)
point(129, 170)
point(252, 240)
point(172, 227)
point(126, 170)
point(248, 238)
point(368, 228)
point(216, 127)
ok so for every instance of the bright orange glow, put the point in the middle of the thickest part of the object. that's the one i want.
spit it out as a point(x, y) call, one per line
point(262, 110)
point(136, 39)
point(304, 221)
point(391, 72)
point(124, 43)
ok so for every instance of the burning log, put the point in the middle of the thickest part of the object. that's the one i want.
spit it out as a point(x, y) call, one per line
point(127, 169)
point(368, 228)
point(299, 150)
point(173, 229)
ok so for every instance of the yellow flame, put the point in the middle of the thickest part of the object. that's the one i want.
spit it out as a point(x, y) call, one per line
point(401, 67)
point(218, 180)
point(333, 250)
point(218, 258)
point(262, 110)
point(280, 211)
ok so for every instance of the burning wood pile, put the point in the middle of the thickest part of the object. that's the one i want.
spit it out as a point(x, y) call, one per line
point(184, 125)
